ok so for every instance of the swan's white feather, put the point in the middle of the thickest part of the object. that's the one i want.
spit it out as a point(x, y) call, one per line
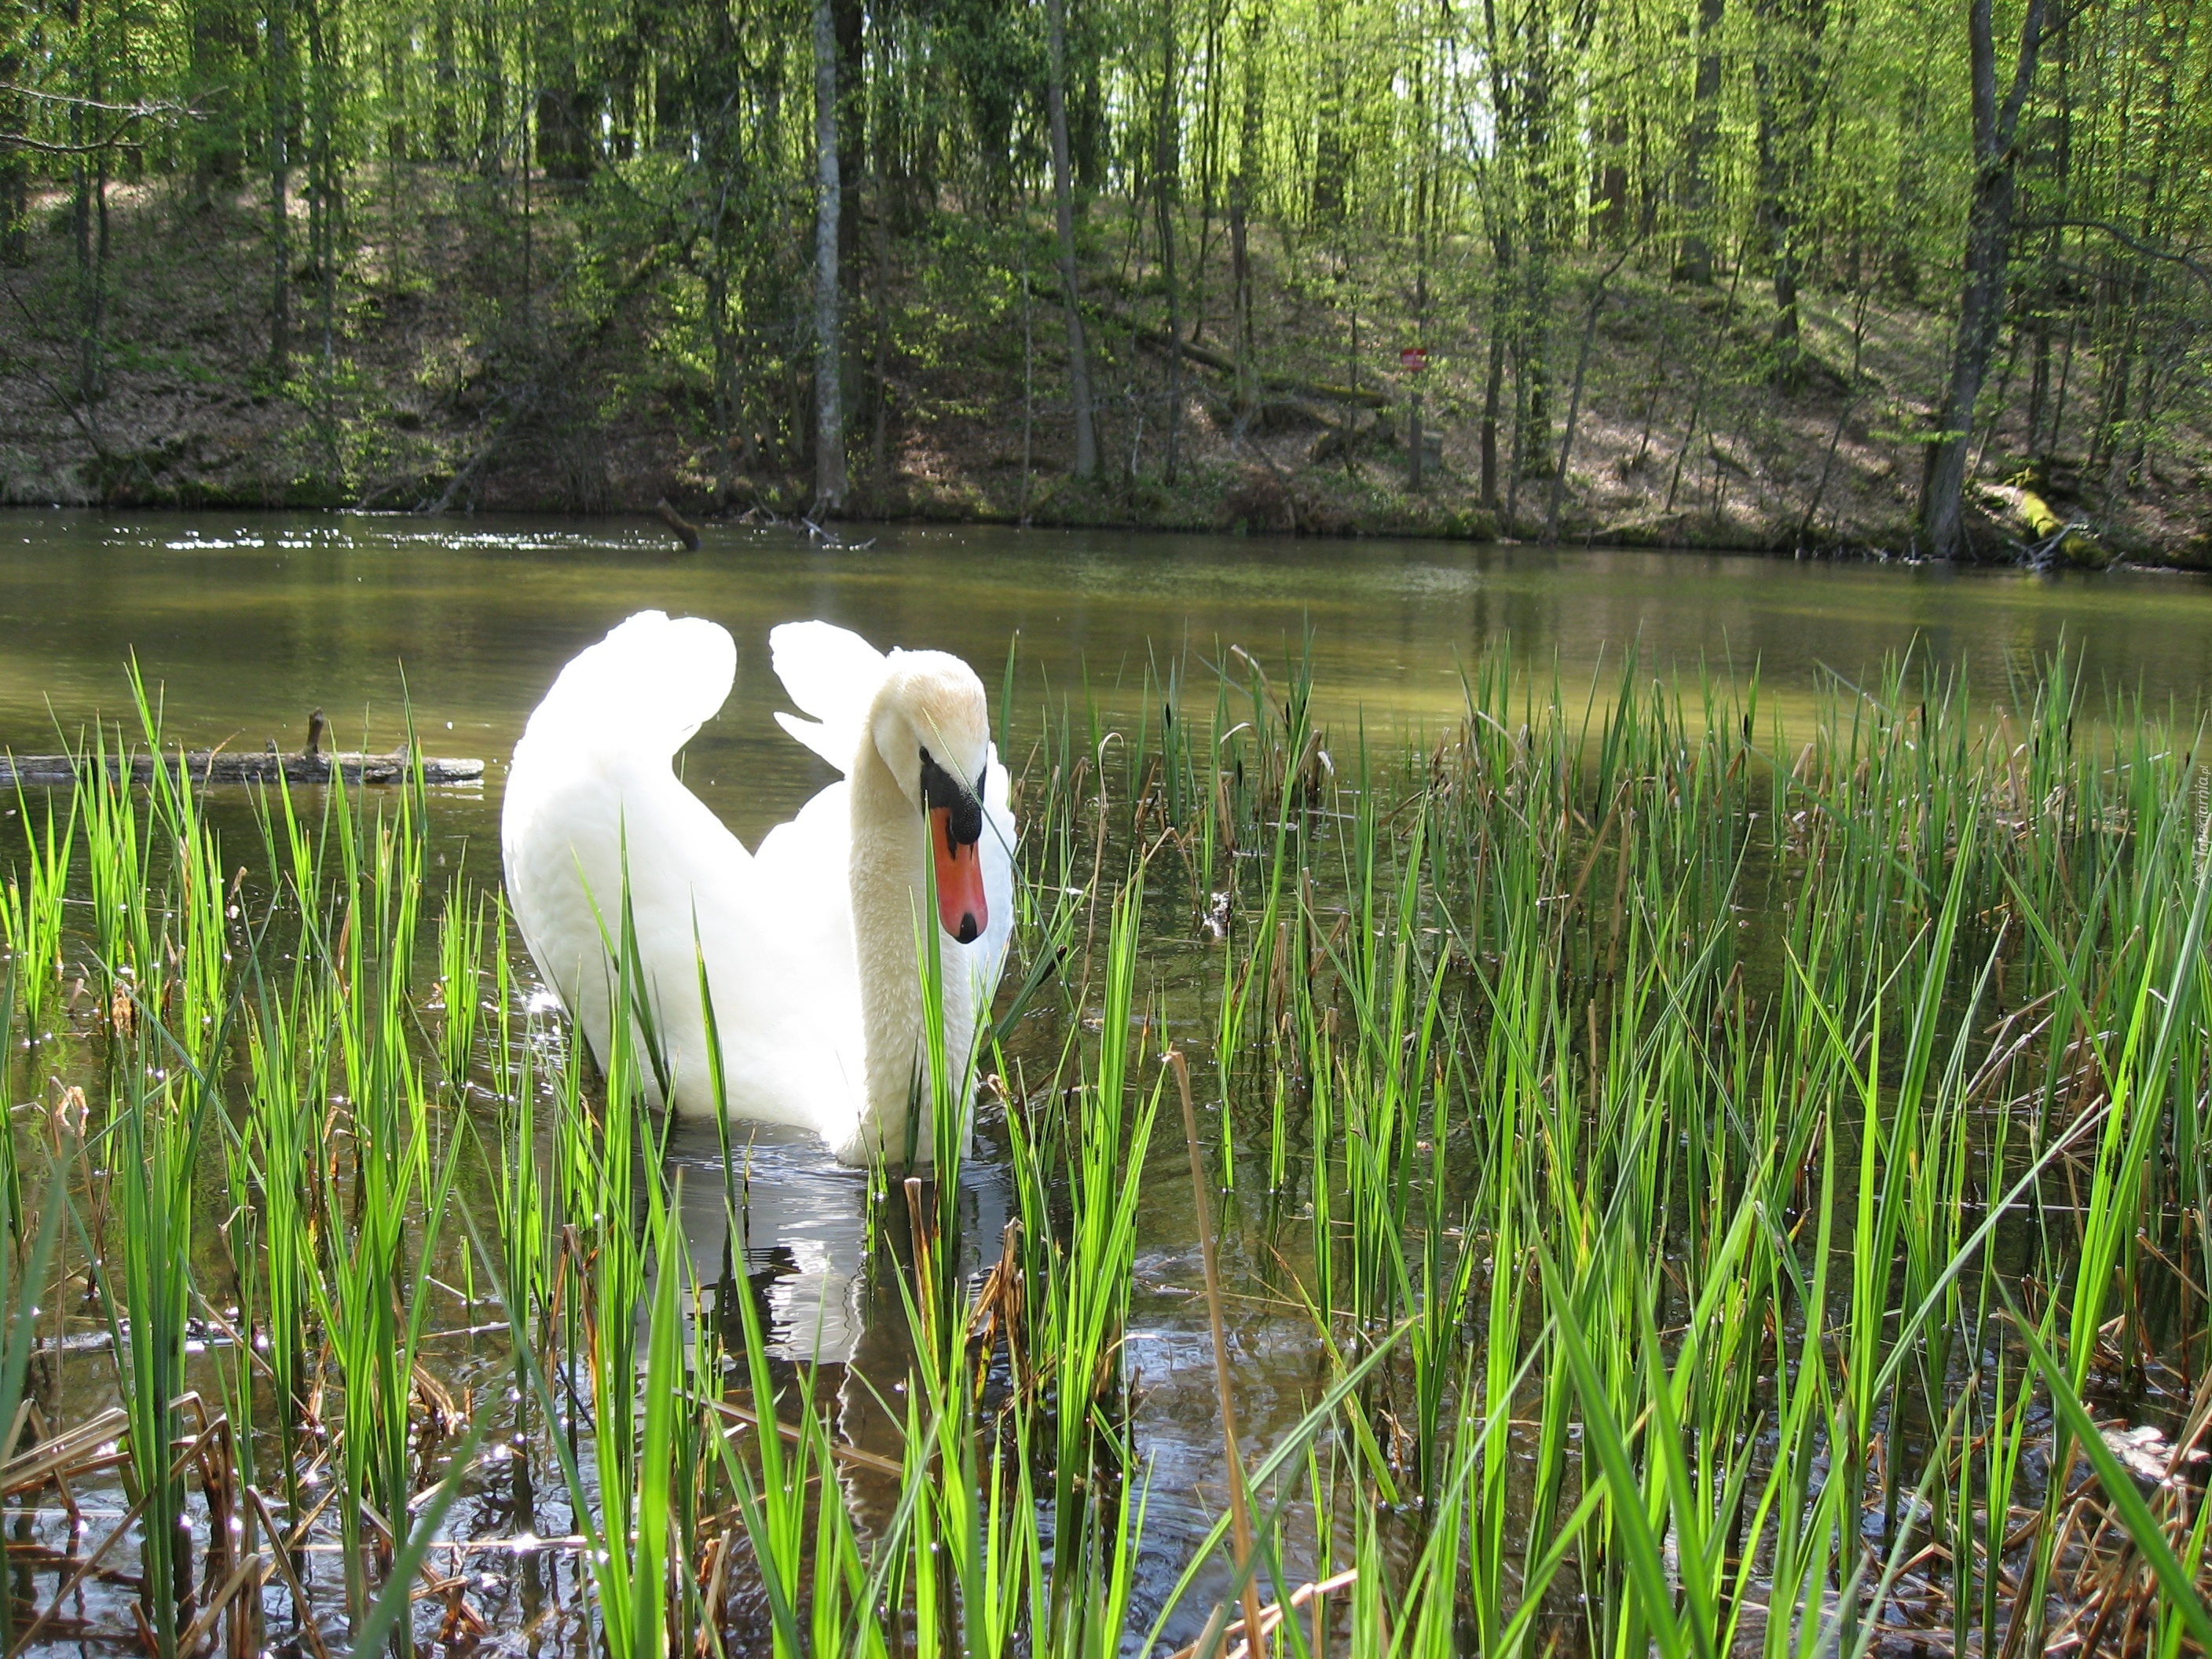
point(831, 674)
point(593, 794)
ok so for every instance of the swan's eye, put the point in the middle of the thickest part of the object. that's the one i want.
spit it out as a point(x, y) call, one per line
point(945, 792)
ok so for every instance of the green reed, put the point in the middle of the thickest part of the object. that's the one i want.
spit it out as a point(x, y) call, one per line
point(1884, 897)
point(1077, 1272)
point(460, 967)
point(152, 1141)
point(1733, 1182)
point(31, 906)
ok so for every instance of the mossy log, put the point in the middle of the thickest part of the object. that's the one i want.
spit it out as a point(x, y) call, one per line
point(2070, 541)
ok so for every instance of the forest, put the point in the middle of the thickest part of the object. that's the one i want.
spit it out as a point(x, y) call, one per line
point(1924, 276)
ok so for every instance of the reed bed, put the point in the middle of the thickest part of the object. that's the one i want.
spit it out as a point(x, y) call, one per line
point(1723, 1189)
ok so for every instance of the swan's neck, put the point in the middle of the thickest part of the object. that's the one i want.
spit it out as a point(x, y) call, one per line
point(891, 908)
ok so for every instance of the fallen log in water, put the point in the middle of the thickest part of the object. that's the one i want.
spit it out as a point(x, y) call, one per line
point(217, 766)
point(686, 532)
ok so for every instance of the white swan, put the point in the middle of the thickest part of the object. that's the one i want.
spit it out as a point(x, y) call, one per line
point(811, 943)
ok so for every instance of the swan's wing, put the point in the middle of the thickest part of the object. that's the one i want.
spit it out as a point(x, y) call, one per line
point(581, 790)
point(636, 696)
point(643, 690)
point(831, 674)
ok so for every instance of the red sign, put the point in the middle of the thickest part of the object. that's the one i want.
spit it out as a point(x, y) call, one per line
point(1413, 359)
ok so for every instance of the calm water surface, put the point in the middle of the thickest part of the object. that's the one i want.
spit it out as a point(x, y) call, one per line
point(248, 622)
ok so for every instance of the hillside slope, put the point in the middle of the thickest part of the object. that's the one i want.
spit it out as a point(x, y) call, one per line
point(447, 366)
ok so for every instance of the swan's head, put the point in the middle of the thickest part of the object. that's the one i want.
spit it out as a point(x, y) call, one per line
point(931, 727)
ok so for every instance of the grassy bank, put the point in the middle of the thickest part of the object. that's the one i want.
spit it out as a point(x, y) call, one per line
point(465, 353)
point(1701, 1190)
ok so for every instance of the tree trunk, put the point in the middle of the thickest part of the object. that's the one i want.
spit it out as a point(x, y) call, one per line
point(564, 138)
point(1789, 95)
point(326, 211)
point(1911, 178)
point(1775, 220)
point(1332, 154)
point(1209, 119)
point(1532, 347)
point(445, 80)
point(852, 130)
point(1518, 457)
point(1493, 393)
point(15, 205)
point(1063, 202)
point(1498, 214)
point(1981, 300)
point(2038, 387)
point(1575, 399)
point(1609, 189)
point(491, 135)
point(1167, 165)
point(1696, 263)
point(215, 53)
point(829, 352)
point(14, 170)
point(2111, 442)
point(880, 442)
point(280, 206)
point(567, 115)
point(1240, 189)
point(87, 350)
point(1028, 390)
point(89, 216)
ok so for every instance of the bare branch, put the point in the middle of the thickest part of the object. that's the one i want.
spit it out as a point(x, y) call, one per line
point(142, 109)
point(2134, 244)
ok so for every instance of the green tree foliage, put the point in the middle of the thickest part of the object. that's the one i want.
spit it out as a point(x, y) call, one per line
point(1473, 165)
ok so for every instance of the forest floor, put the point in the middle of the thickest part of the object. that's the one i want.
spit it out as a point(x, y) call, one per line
point(453, 377)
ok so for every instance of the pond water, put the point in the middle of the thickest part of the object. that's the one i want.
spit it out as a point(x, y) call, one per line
point(247, 623)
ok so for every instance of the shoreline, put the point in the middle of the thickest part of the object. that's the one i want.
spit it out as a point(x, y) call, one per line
point(646, 519)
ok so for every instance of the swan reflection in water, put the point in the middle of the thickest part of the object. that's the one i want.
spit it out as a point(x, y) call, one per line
point(803, 1236)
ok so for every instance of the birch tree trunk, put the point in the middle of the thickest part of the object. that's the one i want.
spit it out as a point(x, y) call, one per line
point(829, 352)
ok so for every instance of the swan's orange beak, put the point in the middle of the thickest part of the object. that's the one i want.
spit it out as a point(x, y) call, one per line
point(961, 906)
